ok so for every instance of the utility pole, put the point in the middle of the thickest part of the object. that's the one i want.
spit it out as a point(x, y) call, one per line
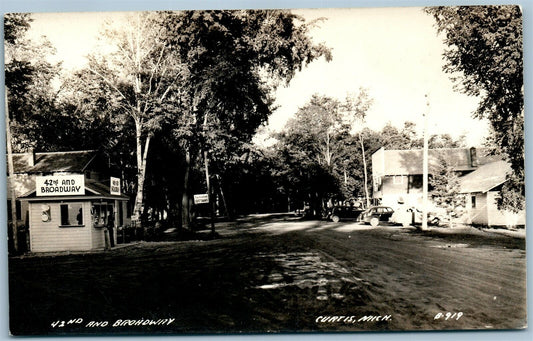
point(367, 196)
point(11, 177)
point(425, 169)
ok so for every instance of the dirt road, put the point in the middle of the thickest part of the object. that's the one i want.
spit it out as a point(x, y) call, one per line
point(264, 276)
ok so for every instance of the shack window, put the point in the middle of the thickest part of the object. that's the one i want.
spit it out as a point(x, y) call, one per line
point(101, 213)
point(71, 214)
point(473, 201)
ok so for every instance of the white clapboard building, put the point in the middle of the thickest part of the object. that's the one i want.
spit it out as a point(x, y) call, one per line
point(69, 202)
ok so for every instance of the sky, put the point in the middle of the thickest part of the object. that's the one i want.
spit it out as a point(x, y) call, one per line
point(394, 53)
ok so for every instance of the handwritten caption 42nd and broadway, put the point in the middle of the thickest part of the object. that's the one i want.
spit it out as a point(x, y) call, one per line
point(168, 321)
point(114, 324)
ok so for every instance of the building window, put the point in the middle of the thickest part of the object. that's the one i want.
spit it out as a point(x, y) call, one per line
point(398, 179)
point(415, 182)
point(473, 201)
point(71, 214)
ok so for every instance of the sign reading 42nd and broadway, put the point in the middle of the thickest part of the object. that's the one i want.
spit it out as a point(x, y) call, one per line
point(59, 185)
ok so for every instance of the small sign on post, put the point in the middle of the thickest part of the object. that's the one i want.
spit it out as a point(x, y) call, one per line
point(201, 199)
point(114, 186)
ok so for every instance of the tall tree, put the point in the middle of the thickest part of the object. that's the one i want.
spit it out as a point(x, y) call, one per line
point(205, 77)
point(357, 108)
point(313, 141)
point(140, 74)
point(29, 93)
point(14, 27)
point(28, 80)
point(234, 62)
point(485, 59)
point(316, 128)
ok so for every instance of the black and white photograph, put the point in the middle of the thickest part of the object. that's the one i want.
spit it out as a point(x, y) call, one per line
point(260, 171)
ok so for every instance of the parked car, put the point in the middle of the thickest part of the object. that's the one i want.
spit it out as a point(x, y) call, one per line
point(339, 213)
point(377, 214)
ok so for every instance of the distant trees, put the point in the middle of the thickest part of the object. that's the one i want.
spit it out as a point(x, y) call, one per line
point(314, 143)
point(325, 149)
point(485, 59)
point(406, 138)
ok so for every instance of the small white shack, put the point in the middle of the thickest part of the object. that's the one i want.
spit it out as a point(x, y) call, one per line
point(68, 212)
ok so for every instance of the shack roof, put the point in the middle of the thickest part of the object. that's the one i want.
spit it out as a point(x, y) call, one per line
point(485, 178)
point(53, 162)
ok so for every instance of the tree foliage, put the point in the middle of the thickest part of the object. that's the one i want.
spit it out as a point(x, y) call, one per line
point(321, 155)
point(485, 59)
point(15, 26)
point(234, 61)
point(136, 79)
point(312, 147)
point(28, 78)
point(446, 187)
point(406, 138)
point(200, 82)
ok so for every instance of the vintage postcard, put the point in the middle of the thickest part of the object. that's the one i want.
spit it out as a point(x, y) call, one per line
point(265, 171)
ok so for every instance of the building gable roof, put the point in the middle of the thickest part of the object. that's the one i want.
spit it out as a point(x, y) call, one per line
point(52, 162)
point(409, 162)
point(485, 178)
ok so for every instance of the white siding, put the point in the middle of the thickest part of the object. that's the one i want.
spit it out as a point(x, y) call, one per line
point(502, 218)
point(48, 236)
point(478, 215)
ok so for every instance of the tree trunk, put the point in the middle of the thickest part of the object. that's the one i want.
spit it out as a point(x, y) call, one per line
point(209, 194)
point(364, 170)
point(327, 155)
point(141, 173)
point(185, 205)
point(219, 180)
point(11, 177)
